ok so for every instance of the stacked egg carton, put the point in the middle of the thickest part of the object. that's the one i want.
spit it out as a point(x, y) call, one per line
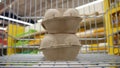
point(61, 43)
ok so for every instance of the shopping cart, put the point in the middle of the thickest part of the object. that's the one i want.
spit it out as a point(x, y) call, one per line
point(21, 33)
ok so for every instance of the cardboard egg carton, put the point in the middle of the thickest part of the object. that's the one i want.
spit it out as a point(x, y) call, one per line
point(61, 21)
point(61, 43)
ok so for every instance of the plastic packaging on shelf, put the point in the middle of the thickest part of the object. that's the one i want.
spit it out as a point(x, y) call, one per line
point(26, 33)
point(91, 33)
point(34, 42)
point(116, 19)
point(29, 52)
point(21, 43)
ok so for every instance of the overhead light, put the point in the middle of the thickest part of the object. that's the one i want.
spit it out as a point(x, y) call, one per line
point(1, 28)
point(17, 21)
point(91, 3)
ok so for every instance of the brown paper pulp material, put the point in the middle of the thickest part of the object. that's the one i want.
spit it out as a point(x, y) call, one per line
point(59, 40)
point(61, 21)
point(57, 44)
point(62, 24)
point(60, 12)
point(61, 54)
point(71, 12)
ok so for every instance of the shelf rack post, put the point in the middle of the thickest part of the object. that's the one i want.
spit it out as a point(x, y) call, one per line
point(108, 28)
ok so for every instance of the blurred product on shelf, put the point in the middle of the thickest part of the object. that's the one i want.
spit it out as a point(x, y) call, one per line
point(116, 38)
point(113, 19)
point(117, 3)
point(81, 30)
point(96, 47)
point(87, 20)
point(26, 33)
point(99, 32)
point(3, 41)
point(114, 3)
point(29, 52)
point(3, 37)
point(39, 36)
point(35, 42)
point(116, 19)
point(21, 43)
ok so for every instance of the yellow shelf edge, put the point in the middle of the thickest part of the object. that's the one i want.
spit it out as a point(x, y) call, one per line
point(114, 10)
point(115, 29)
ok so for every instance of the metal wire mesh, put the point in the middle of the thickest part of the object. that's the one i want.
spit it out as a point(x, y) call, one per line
point(98, 33)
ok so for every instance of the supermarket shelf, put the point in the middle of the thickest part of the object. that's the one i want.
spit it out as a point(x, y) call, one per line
point(114, 10)
point(110, 30)
point(28, 39)
point(4, 46)
point(31, 35)
point(99, 25)
point(84, 42)
point(92, 40)
point(117, 45)
point(97, 51)
point(30, 46)
point(25, 46)
point(91, 35)
point(37, 61)
point(79, 39)
point(115, 29)
point(91, 20)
